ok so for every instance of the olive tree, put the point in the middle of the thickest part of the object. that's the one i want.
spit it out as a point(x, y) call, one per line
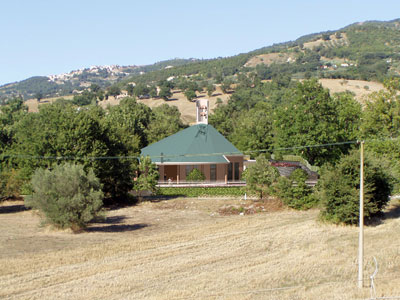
point(67, 196)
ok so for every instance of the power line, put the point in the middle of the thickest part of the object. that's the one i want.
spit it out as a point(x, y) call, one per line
point(267, 150)
point(70, 157)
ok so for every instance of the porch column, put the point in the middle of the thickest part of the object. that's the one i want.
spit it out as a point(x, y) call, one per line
point(177, 178)
point(161, 171)
point(226, 174)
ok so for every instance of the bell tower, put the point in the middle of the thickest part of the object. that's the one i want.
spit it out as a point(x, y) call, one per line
point(202, 111)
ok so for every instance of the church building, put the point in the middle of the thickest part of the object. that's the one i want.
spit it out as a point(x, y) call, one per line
point(199, 146)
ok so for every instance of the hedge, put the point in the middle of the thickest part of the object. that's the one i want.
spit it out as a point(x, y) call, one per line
point(202, 191)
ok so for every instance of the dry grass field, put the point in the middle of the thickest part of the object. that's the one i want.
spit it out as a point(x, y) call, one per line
point(270, 58)
point(33, 104)
point(178, 99)
point(333, 40)
point(360, 88)
point(185, 249)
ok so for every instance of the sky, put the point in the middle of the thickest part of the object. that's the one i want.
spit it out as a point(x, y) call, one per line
point(46, 37)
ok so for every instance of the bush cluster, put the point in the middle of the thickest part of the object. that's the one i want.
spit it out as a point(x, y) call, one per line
point(67, 196)
point(339, 189)
point(294, 191)
point(195, 175)
point(10, 184)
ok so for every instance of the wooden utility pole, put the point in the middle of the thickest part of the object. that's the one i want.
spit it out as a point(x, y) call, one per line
point(361, 233)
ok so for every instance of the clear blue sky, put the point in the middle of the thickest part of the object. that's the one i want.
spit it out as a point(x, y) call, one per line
point(45, 37)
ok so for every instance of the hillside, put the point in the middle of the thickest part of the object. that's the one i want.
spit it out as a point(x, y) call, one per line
point(367, 51)
point(359, 88)
point(78, 80)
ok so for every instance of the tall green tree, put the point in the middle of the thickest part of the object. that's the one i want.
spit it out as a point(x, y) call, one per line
point(312, 117)
point(381, 117)
point(210, 89)
point(381, 126)
point(339, 188)
point(129, 120)
point(254, 128)
point(130, 88)
point(114, 90)
point(190, 95)
point(10, 178)
point(226, 85)
point(60, 130)
point(223, 119)
point(9, 115)
point(165, 93)
point(165, 120)
point(141, 90)
point(38, 96)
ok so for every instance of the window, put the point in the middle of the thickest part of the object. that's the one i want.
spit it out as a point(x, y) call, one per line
point(236, 171)
point(230, 172)
point(213, 172)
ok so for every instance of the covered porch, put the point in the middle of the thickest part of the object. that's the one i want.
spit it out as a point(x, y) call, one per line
point(215, 173)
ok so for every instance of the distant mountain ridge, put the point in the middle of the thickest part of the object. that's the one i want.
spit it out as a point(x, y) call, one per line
point(364, 51)
point(77, 80)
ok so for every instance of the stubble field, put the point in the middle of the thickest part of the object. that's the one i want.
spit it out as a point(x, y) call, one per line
point(186, 249)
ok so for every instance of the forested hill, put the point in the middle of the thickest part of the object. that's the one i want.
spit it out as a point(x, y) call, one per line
point(366, 51)
point(78, 80)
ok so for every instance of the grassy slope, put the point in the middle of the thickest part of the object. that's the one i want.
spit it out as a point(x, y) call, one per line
point(188, 109)
point(182, 249)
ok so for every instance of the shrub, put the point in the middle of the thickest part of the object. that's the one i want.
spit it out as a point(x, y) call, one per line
point(10, 184)
point(339, 189)
point(260, 177)
point(294, 192)
point(147, 178)
point(67, 196)
point(195, 175)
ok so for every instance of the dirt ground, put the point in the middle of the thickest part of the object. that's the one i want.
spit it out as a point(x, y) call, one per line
point(186, 249)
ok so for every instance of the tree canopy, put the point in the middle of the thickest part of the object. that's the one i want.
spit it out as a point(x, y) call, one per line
point(312, 117)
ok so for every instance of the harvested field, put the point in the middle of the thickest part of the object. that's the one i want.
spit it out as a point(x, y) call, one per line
point(33, 104)
point(332, 42)
point(360, 88)
point(184, 249)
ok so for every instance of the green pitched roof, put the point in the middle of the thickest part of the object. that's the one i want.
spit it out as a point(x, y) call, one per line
point(199, 143)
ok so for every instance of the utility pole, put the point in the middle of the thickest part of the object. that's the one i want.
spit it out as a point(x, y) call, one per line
point(361, 233)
